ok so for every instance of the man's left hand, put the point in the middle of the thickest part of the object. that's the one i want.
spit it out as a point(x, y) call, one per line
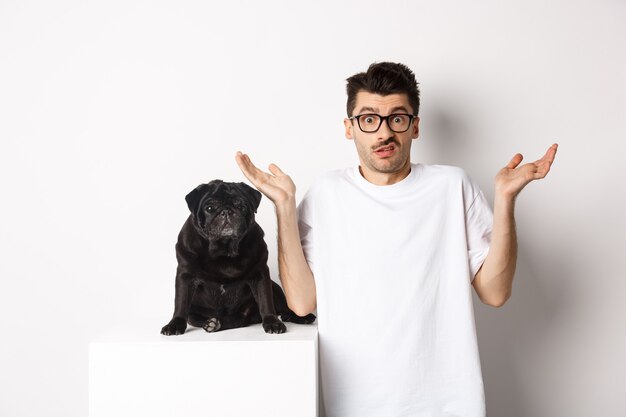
point(512, 179)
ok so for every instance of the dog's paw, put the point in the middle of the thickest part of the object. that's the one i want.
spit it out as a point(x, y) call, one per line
point(212, 325)
point(175, 327)
point(271, 324)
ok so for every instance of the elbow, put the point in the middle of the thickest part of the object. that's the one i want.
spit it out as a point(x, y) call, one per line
point(302, 309)
point(497, 302)
point(302, 300)
point(301, 312)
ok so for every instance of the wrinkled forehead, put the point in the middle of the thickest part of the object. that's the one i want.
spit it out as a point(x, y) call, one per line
point(375, 103)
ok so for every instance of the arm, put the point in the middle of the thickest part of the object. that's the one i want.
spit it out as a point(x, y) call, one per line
point(294, 272)
point(494, 280)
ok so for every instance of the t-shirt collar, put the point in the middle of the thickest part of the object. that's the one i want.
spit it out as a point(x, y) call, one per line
point(399, 186)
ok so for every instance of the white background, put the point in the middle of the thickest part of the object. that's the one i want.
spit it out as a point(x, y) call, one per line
point(112, 111)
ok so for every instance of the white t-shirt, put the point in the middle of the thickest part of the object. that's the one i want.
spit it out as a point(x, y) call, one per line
point(393, 267)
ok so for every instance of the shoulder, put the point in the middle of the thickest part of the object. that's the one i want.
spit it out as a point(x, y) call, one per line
point(332, 176)
point(320, 186)
point(328, 180)
point(452, 176)
point(445, 172)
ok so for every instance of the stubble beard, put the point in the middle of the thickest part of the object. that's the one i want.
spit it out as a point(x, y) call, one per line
point(387, 165)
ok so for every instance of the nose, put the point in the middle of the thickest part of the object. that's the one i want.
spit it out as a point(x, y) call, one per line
point(226, 212)
point(384, 132)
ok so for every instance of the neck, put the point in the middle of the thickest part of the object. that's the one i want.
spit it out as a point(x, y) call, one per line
point(385, 178)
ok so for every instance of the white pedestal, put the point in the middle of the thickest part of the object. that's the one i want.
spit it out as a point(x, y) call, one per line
point(232, 373)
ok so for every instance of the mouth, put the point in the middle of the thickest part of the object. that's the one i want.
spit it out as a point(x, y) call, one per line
point(227, 228)
point(385, 151)
point(228, 231)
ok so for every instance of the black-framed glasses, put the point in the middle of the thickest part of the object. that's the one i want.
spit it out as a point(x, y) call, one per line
point(371, 122)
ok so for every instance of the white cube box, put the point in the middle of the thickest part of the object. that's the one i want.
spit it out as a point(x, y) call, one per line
point(231, 373)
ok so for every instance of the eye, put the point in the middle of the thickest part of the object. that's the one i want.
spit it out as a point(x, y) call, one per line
point(208, 209)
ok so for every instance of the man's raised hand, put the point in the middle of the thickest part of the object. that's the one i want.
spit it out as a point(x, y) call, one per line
point(512, 179)
point(276, 185)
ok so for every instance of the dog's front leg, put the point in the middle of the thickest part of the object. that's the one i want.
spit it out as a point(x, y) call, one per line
point(262, 292)
point(182, 304)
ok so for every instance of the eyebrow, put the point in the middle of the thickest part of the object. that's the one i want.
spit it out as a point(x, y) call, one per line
point(374, 110)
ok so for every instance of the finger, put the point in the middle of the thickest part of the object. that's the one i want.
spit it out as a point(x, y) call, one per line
point(549, 155)
point(239, 159)
point(552, 152)
point(275, 170)
point(544, 164)
point(543, 168)
point(515, 161)
point(243, 164)
point(249, 170)
point(247, 164)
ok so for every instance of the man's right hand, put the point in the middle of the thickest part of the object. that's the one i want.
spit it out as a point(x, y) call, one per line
point(276, 186)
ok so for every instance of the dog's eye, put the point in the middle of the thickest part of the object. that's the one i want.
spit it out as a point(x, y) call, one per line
point(208, 209)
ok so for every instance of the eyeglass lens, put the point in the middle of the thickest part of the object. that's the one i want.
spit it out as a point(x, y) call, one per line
point(370, 123)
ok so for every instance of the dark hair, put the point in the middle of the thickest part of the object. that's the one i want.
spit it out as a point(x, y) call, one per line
point(384, 78)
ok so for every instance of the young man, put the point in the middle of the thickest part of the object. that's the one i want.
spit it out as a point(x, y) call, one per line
point(388, 252)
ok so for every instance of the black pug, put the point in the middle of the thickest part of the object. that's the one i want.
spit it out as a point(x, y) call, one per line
point(222, 279)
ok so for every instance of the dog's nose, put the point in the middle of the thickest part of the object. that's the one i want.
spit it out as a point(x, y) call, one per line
point(226, 211)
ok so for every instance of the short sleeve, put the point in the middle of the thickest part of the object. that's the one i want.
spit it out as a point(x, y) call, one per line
point(479, 224)
point(305, 227)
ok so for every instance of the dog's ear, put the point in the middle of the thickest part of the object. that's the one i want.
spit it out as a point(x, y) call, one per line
point(251, 194)
point(193, 198)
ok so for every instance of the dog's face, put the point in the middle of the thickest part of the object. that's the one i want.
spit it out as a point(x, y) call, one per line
point(223, 211)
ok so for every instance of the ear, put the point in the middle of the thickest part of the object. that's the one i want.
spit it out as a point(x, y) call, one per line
point(251, 194)
point(415, 129)
point(193, 198)
point(348, 126)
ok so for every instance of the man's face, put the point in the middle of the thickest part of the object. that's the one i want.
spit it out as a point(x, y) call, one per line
point(370, 146)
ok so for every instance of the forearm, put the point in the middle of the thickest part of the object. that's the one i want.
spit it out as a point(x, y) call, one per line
point(496, 275)
point(295, 275)
point(494, 281)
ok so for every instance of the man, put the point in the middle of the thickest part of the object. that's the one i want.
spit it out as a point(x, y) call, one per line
point(387, 252)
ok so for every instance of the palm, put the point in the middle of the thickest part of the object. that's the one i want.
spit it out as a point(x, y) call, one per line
point(277, 186)
point(512, 179)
